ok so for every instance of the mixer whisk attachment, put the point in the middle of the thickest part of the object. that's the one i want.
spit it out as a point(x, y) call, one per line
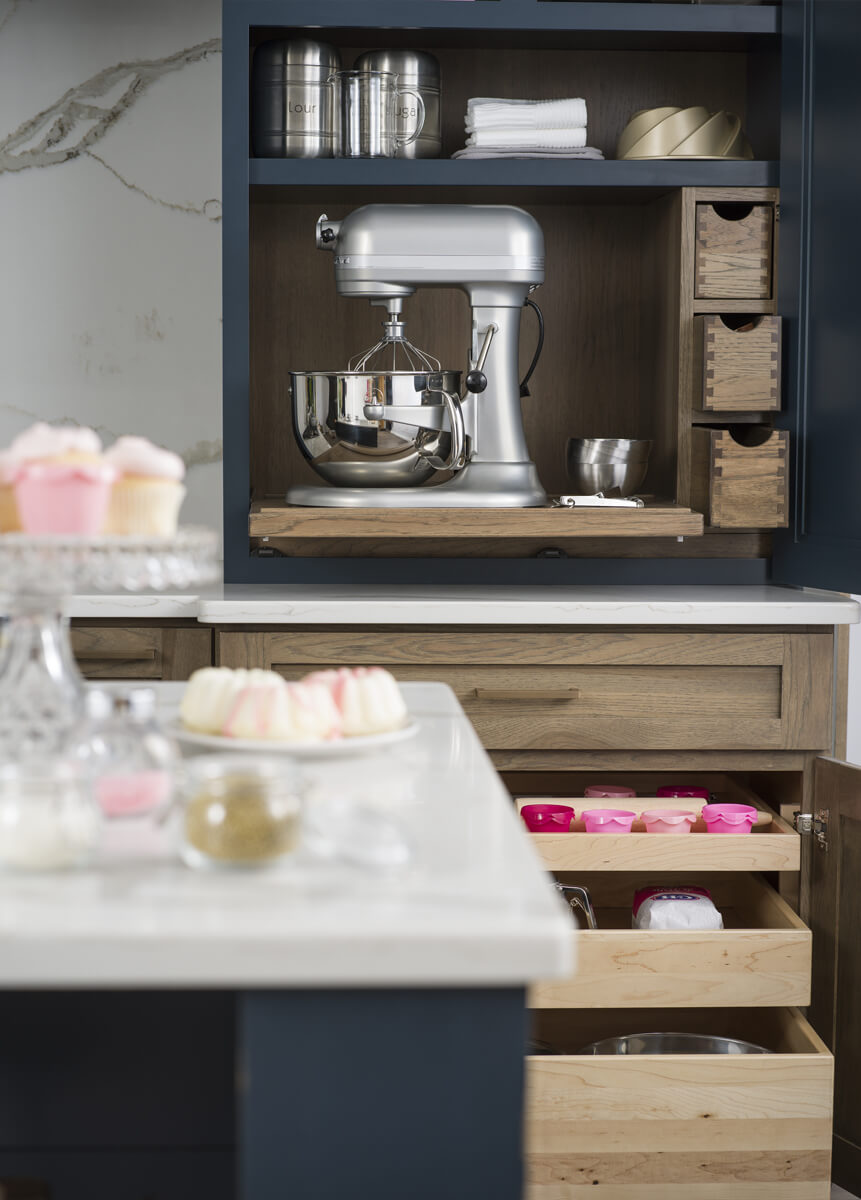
point(394, 351)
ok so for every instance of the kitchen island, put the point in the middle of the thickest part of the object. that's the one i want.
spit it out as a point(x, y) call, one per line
point(374, 1022)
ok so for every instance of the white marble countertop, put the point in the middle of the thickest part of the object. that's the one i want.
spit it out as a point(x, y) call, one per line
point(407, 605)
point(473, 908)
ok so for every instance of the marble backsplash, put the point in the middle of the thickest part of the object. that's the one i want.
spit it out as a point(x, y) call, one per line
point(110, 224)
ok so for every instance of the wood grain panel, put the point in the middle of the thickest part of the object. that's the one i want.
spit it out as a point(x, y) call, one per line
point(149, 652)
point(553, 524)
point(740, 486)
point(761, 958)
point(741, 366)
point(655, 1127)
point(542, 646)
point(734, 257)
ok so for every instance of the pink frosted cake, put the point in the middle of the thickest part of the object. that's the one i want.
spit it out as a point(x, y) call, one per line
point(260, 705)
point(368, 699)
point(62, 483)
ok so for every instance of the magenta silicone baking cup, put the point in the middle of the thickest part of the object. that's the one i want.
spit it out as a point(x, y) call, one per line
point(682, 791)
point(608, 820)
point(609, 791)
point(668, 820)
point(548, 818)
point(729, 818)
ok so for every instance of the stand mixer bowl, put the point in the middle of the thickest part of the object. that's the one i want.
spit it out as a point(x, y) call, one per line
point(350, 450)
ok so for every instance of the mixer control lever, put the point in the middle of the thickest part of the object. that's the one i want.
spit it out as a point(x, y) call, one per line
point(476, 380)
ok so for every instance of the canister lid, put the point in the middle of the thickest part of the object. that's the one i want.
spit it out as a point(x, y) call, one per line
point(411, 66)
point(273, 60)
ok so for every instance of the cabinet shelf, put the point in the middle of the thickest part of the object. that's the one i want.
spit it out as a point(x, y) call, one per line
point(612, 22)
point(657, 519)
point(508, 173)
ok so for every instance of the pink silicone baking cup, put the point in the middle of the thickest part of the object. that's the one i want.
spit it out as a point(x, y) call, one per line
point(608, 820)
point(548, 818)
point(729, 818)
point(609, 791)
point(668, 820)
point(682, 791)
point(63, 498)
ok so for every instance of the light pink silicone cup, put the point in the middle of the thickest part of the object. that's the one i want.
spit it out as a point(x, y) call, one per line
point(668, 820)
point(729, 818)
point(548, 818)
point(682, 791)
point(608, 791)
point(608, 820)
point(63, 498)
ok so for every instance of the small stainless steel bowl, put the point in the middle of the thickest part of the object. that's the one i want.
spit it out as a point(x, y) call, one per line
point(348, 449)
point(600, 464)
point(672, 1043)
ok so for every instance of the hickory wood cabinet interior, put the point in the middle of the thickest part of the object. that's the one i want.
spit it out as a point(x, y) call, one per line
point(748, 713)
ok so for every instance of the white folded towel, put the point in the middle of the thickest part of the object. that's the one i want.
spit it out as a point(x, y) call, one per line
point(535, 139)
point(485, 112)
point(588, 152)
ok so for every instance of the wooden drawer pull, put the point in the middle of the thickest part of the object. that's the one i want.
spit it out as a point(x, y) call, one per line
point(115, 655)
point(534, 695)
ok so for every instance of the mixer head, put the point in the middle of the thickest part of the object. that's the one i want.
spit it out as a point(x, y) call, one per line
point(394, 351)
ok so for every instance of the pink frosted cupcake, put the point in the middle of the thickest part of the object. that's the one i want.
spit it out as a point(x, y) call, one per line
point(10, 522)
point(62, 483)
point(147, 495)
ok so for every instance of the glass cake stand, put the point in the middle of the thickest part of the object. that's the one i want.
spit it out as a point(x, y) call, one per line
point(41, 689)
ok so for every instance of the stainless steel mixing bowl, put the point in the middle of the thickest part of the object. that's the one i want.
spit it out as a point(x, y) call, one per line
point(600, 464)
point(672, 1043)
point(351, 450)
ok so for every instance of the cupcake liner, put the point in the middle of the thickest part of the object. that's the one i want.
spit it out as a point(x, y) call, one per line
point(62, 500)
point(10, 522)
point(145, 506)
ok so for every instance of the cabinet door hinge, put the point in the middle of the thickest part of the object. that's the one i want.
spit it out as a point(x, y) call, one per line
point(815, 824)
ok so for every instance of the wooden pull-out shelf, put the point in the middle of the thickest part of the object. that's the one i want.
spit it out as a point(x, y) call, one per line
point(658, 519)
point(768, 847)
point(680, 1127)
point(762, 957)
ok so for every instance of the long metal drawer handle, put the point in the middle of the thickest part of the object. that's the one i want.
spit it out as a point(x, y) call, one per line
point(114, 655)
point(551, 695)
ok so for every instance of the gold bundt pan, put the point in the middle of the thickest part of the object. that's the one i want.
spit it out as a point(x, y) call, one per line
point(683, 133)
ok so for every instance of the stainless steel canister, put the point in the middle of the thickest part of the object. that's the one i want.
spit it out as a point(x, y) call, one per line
point(292, 106)
point(418, 71)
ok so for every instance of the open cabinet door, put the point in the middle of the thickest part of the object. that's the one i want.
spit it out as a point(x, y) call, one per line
point(819, 294)
point(835, 918)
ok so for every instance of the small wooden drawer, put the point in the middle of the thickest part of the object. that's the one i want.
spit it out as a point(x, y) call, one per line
point(740, 486)
point(563, 689)
point(741, 363)
point(762, 957)
point(733, 258)
point(680, 1127)
point(140, 652)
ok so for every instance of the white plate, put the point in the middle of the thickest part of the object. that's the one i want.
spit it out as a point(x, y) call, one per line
point(340, 748)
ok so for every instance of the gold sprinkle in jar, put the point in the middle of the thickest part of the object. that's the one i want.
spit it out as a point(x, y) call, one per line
point(240, 810)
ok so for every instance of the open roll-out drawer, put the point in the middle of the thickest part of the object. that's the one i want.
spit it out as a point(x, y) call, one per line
point(679, 1127)
point(762, 956)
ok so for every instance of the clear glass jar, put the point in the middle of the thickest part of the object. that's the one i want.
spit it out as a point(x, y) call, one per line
point(49, 820)
point(240, 810)
point(129, 759)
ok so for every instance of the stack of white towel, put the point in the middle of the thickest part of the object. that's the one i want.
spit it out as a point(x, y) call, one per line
point(526, 129)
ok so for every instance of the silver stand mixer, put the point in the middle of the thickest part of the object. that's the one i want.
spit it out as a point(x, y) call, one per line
point(381, 432)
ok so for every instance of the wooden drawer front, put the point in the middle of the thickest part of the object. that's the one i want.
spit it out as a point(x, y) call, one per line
point(761, 958)
point(741, 366)
point(680, 1127)
point(548, 690)
point(144, 652)
point(739, 487)
point(106, 653)
point(734, 256)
